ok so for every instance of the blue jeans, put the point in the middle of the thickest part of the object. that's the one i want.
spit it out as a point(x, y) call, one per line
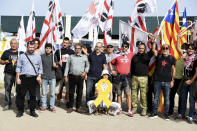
point(166, 92)
point(184, 92)
point(9, 81)
point(90, 88)
point(51, 84)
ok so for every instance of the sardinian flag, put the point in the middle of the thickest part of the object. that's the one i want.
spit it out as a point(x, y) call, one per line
point(106, 21)
point(31, 28)
point(143, 8)
point(137, 19)
point(195, 32)
point(132, 35)
point(56, 30)
point(47, 25)
point(89, 20)
point(21, 36)
point(52, 29)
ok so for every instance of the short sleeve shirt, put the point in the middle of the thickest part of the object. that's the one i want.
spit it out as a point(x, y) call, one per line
point(12, 57)
point(123, 63)
point(96, 64)
point(163, 70)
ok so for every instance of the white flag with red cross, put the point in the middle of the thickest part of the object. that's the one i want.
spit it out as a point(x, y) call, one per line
point(31, 28)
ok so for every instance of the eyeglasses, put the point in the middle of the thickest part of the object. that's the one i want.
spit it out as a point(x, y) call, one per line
point(98, 46)
point(165, 48)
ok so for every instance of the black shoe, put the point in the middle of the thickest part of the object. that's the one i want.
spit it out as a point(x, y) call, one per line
point(38, 105)
point(33, 113)
point(166, 117)
point(153, 115)
point(19, 114)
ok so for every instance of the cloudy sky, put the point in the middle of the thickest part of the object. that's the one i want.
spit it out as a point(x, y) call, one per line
point(78, 7)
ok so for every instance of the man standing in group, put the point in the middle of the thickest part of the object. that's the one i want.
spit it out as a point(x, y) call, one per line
point(9, 59)
point(28, 73)
point(164, 75)
point(139, 72)
point(65, 53)
point(110, 55)
point(49, 63)
point(97, 64)
point(123, 63)
point(76, 68)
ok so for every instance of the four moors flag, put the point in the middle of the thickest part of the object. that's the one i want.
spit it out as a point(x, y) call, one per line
point(31, 28)
point(89, 20)
point(171, 29)
point(53, 25)
point(137, 19)
point(106, 21)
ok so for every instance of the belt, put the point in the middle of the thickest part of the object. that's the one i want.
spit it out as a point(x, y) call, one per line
point(76, 76)
point(28, 75)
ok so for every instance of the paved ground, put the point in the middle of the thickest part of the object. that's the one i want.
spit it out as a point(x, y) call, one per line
point(60, 121)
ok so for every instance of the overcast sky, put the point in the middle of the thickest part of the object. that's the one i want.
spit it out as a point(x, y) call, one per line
point(78, 7)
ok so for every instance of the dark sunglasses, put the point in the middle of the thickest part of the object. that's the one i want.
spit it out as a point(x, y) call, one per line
point(110, 47)
point(165, 48)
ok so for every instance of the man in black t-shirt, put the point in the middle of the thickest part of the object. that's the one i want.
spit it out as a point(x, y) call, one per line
point(9, 59)
point(190, 75)
point(164, 75)
point(62, 57)
point(139, 72)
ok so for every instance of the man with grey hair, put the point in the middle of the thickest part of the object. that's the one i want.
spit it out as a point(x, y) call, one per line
point(76, 68)
point(164, 75)
point(9, 59)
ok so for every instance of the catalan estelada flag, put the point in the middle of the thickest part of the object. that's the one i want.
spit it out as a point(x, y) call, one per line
point(171, 29)
point(183, 38)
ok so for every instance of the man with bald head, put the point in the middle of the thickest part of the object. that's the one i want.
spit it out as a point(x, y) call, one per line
point(164, 75)
point(9, 59)
point(97, 62)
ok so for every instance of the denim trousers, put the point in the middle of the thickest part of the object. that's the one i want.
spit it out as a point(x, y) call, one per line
point(184, 93)
point(9, 81)
point(165, 86)
point(51, 83)
point(90, 88)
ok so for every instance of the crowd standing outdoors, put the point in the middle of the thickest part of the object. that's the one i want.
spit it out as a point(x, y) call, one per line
point(34, 71)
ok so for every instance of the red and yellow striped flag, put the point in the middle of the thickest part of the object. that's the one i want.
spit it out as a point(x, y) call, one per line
point(171, 29)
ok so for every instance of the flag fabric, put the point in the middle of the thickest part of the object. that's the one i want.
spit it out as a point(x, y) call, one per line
point(21, 36)
point(142, 8)
point(152, 62)
point(89, 20)
point(31, 28)
point(195, 32)
point(126, 32)
point(137, 19)
point(52, 29)
point(106, 20)
point(183, 38)
point(171, 29)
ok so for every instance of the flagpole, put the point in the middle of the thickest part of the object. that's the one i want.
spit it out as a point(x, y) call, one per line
point(157, 14)
point(186, 29)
